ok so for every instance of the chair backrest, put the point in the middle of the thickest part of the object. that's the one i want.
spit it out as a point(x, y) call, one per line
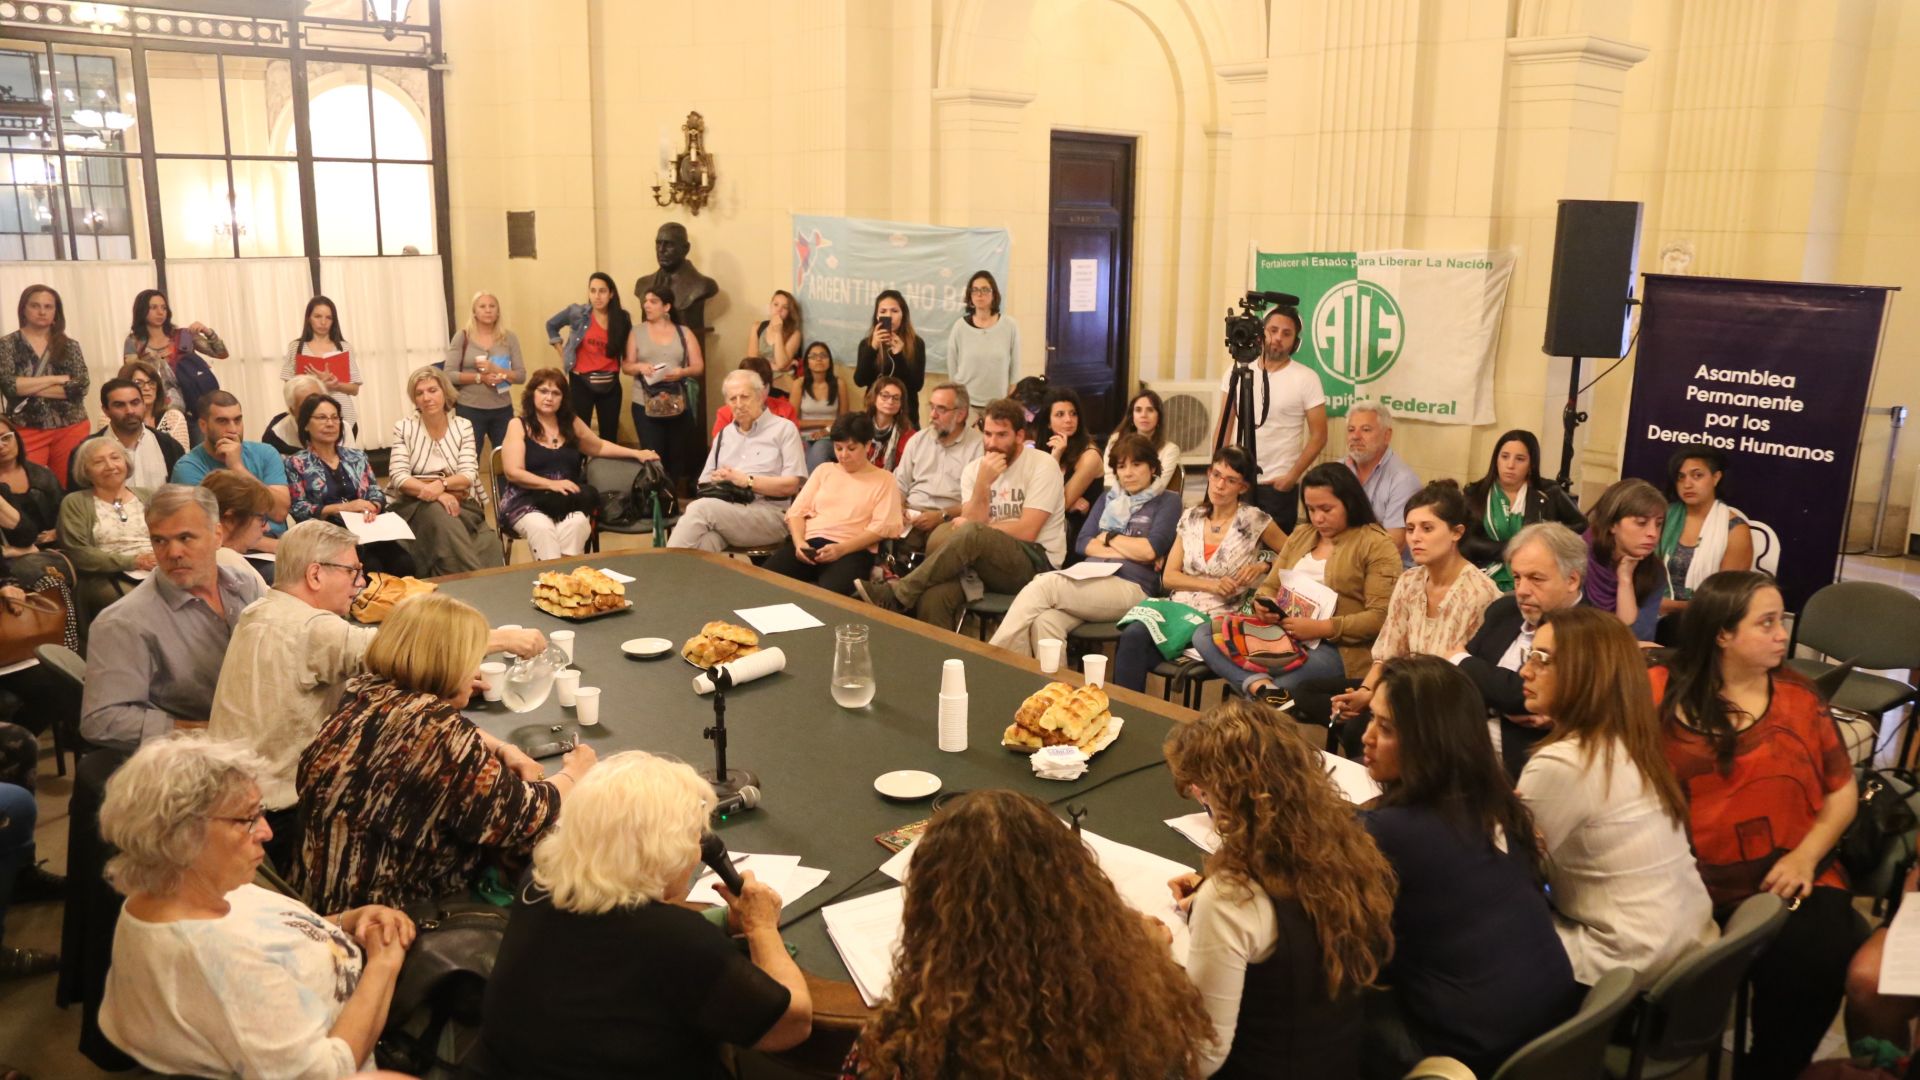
point(496, 468)
point(1687, 1008)
point(1576, 1049)
point(1766, 547)
point(64, 662)
point(1876, 626)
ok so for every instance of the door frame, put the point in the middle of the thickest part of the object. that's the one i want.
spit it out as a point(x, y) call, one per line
point(1122, 299)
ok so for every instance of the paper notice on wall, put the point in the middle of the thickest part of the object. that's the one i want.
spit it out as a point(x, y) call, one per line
point(1082, 284)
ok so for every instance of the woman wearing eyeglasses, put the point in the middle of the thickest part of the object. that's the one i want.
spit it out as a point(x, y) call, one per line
point(1770, 791)
point(213, 975)
point(886, 407)
point(983, 348)
point(103, 526)
point(331, 480)
point(163, 412)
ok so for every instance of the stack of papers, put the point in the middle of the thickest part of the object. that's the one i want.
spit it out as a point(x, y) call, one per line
point(385, 526)
point(781, 873)
point(865, 931)
point(1350, 777)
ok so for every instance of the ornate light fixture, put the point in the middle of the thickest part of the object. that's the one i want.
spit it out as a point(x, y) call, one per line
point(390, 14)
point(688, 176)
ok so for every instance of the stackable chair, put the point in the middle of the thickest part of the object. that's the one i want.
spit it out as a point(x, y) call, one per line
point(1871, 626)
point(1574, 1050)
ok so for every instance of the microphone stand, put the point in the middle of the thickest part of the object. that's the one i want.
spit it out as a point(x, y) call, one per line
point(726, 782)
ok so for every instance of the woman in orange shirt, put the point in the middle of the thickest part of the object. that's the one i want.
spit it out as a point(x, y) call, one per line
point(839, 518)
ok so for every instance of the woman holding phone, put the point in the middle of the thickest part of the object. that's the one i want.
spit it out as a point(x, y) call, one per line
point(892, 348)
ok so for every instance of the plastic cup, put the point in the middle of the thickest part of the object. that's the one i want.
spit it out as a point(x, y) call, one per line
point(494, 674)
point(953, 677)
point(564, 639)
point(1095, 666)
point(586, 706)
point(566, 682)
point(1050, 653)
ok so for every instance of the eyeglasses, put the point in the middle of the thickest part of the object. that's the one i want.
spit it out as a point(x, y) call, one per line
point(144, 384)
point(981, 290)
point(1539, 658)
point(251, 822)
point(942, 410)
point(359, 572)
point(889, 397)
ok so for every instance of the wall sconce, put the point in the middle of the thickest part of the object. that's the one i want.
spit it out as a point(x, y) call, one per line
point(688, 176)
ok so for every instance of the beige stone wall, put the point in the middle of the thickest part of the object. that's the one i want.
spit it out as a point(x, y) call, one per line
point(1773, 138)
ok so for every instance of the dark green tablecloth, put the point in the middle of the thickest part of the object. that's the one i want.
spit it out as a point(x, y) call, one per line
point(816, 761)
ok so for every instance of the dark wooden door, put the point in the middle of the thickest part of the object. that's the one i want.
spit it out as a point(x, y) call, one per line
point(1089, 269)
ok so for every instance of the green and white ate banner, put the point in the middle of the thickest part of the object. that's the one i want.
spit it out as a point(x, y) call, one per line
point(1414, 330)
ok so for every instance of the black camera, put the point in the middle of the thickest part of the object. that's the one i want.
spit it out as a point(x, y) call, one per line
point(1245, 330)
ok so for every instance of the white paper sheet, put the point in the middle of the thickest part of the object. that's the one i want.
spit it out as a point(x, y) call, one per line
point(617, 576)
point(387, 526)
point(1351, 777)
point(137, 575)
point(1197, 827)
point(1313, 592)
point(1141, 878)
point(772, 870)
point(1900, 957)
point(778, 618)
point(1088, 571)
point(865, 931)
point(896, 867)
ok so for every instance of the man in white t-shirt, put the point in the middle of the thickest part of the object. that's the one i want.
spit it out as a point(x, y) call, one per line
point(1012, 525)
point(1290, 417)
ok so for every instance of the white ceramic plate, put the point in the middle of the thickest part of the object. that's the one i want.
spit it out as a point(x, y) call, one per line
point(906, 785)
point(646, 648)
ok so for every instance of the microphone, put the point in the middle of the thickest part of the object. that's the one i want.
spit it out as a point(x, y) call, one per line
point(1283, 299)
point(746, 798)
point(713, 852)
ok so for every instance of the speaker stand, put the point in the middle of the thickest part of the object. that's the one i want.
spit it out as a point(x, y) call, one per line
point(1570, 418)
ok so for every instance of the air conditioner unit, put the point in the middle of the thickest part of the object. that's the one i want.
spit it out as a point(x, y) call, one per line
point(1193, 411)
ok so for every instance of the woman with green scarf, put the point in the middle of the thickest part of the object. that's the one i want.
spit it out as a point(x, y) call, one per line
point(1511, 496)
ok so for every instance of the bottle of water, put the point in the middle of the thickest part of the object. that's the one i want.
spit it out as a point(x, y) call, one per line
point(852, 667)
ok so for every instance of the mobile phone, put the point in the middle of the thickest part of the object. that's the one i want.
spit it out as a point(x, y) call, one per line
point(1267, 602)
point(883, 322)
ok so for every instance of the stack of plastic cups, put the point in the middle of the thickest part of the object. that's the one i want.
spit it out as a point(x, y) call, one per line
point(953, 706)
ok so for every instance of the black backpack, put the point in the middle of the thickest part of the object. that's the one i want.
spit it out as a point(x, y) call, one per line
point(650, 496)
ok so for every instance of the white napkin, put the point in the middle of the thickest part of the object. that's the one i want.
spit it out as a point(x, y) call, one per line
point(1059, 762)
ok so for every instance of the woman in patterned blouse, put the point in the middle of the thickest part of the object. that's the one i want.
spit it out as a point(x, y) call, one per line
point(43, 377)
point(403, 799)
point(331, 480)
point(1436, 606)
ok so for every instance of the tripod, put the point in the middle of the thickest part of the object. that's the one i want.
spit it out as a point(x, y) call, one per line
point(1240, 407)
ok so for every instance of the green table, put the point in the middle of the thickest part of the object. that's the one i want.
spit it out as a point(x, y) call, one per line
point(816, 761)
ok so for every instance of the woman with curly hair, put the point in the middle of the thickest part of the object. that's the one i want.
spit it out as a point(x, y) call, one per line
point(1040, 974)
point(1294, 916)
point(1477, 968)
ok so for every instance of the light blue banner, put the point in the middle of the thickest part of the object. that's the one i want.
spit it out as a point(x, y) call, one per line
point(841, 264)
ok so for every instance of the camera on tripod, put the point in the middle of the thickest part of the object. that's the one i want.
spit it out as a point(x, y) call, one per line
point(1245, 329)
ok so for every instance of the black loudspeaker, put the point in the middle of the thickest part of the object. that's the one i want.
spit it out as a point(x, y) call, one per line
point(1596, 252)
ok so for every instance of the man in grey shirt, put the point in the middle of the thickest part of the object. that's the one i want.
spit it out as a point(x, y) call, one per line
point(1388, 480)
point(929, 470)
point(154, 655)
point(759, 452)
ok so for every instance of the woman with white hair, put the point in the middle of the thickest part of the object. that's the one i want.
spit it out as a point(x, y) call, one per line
point(283, 431)
point(433, 474)
point(402, 798)
point(103, 525)
point(603, 973)
point(213, 975)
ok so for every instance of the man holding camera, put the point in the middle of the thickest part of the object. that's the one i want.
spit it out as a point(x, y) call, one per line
point(1289, 416)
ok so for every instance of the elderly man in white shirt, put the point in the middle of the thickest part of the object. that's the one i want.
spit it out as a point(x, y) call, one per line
point(760, 453)
point(929, 470)
point(291, 653)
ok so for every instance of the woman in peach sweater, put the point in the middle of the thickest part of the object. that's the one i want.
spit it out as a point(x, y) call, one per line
point(839, 518)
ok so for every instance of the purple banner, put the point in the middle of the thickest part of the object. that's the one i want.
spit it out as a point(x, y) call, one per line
point(1773, 374)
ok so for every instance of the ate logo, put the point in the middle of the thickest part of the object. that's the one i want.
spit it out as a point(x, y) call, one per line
point(1358, 332)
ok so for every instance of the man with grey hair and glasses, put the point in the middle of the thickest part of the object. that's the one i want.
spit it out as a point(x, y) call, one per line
point(929, 469)
point(154, 655)
point(1549, 564)
point(293, 650)
point(759, 456)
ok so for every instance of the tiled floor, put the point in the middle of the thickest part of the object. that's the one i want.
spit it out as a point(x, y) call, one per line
point(40, 1040)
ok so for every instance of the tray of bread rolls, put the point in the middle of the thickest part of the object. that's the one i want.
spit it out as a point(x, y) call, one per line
point(583, 594)
point(718, 642)
point(1059, 714)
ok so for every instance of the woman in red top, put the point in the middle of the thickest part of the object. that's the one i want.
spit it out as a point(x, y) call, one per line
point(1770, 789)
point(597, 334)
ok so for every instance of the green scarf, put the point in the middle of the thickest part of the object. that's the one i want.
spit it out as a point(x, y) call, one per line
point(1502, 522)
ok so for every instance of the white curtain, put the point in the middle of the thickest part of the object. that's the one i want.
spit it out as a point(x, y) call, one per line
point(394, 312)
point(255, 305)
point(98, 298)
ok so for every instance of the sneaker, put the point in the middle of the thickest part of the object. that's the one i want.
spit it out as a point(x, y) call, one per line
point(26, 963)
point(877, 593)
point(36, 884)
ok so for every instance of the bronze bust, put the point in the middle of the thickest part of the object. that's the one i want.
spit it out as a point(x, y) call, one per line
point(690, 287)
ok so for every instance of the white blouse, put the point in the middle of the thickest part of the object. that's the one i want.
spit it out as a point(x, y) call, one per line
point(121, 530)
point(1626, 892)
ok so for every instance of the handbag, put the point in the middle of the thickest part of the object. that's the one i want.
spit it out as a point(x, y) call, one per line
point(669, 399)
point(383, 593)
point(1172, 625)
point(45, 618)
point(1257, 644)
point(725, 492)
point(443, 980)
point(1884, 818)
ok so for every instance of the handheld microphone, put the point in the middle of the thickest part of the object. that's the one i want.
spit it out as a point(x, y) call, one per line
point(746, 798)
point(713, 852)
